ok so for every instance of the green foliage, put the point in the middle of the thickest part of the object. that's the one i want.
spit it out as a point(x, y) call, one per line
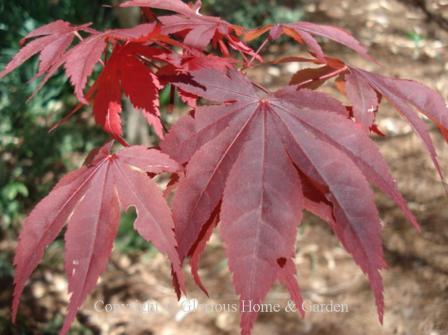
point(30, 160)
point(255, 13)
point(50, 328)
point(128, 241)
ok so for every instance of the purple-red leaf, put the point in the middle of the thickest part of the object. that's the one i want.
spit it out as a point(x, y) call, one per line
point(250, 153)
point(311, 77)
point(304, 32)
point(89, 240)
point(336, 129)
point(50, 41)
point(262, 206)
point(404, 96)
point(363, 98)
point(43, 225)
point(201, 29)
point(172, 5)
point(89, 201)
point(333, 33)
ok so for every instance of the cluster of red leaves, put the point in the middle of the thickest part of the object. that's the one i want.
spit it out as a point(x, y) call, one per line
point(249, 161)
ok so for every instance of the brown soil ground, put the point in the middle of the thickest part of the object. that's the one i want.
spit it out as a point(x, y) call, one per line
point(416, 283)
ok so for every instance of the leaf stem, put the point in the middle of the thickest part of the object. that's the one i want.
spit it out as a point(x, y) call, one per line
point(324, 77)
point(266, 40)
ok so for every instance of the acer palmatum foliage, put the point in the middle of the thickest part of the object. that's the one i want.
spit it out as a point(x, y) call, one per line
point(245, 160)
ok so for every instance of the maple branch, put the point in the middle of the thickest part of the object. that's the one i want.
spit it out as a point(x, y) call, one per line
point(266, 40)
point(65, 118)
point(243, 55)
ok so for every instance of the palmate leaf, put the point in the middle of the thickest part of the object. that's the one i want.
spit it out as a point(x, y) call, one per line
point(89, 200)
point(136, 79)
point(249, 153)
point(79, 62)
point(198, 30)
point(365, 90)
point(125, 72)
point(50, 41)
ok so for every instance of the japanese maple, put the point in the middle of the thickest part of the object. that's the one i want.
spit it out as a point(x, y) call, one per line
point(244, 159)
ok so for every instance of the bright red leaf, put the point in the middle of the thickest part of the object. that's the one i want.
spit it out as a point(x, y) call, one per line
point(125, 72)
point(80, 60)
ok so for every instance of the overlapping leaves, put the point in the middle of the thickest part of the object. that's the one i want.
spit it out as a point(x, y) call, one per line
point(197, 30)
point(256, 157)
point(254, 160)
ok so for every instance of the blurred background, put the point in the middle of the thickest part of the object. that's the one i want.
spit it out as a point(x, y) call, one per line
point(409, 38)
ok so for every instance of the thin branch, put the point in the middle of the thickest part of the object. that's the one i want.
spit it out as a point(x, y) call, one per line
point(266, 40)
point(324, 77)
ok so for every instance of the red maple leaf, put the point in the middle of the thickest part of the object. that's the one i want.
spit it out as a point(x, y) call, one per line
point(125, 71)
point(50, 40)
point(89, 201)
point(198, 30)
point(250, 153)
point(80, 60)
